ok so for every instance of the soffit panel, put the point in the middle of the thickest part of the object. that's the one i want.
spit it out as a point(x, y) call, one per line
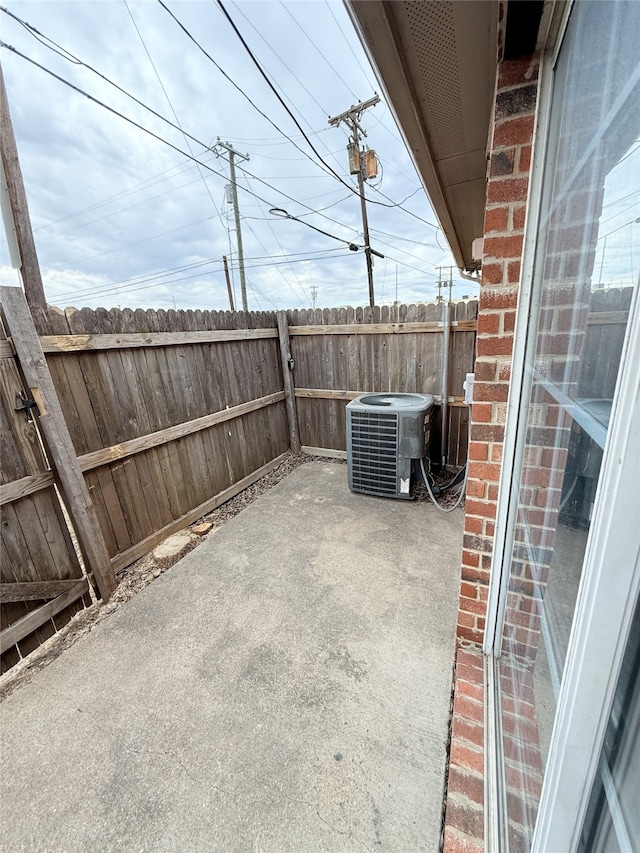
point(436, 61)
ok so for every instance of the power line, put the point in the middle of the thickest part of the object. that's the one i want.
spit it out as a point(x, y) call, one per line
point(293, 117)
point(404, 252)
point(316, 48)
point(288, 283)
point(243, 93)
point(104, 291)
point(121, 210)
point(138, 242)
point(166, 142)
point(277, 55)
point(166, 94)
point(285, 279)
point(292, 159)
point(405, 239)
point(157, 136)
point(333, 204)
point(274, 141)
point(348, 43)
point(317, 254)
point(381, 119)
point(621, 199)
point(295, 76)
point(112, 109)
point(268, 221)
point(76, 60)
point(275, 91)
point(411, 267)
point(154, 179)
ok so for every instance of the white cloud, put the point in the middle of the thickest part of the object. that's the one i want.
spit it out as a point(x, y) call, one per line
point(115, 211)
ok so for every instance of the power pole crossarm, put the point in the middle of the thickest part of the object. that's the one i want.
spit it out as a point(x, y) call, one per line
point(353, 113)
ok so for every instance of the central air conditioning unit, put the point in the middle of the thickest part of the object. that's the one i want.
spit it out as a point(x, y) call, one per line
point(385, 433)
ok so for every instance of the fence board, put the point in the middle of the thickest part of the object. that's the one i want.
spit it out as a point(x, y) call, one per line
point(136, 445)
point(25, 486)
point(363, 328)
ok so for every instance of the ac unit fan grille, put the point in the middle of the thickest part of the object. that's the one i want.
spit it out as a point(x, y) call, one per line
point(374, 453)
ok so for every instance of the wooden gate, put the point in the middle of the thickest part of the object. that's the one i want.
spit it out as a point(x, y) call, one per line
point(42, 582)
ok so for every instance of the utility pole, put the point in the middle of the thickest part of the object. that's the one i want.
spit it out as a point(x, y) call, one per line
point(226, 275)
point(351, 118)
point(27, 260)
point(314, 295)
point(443, 282)
point(234, 189)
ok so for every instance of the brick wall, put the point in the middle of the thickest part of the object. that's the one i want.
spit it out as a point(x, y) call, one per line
point(508, 169)
point(464, 819)
point(507, 187)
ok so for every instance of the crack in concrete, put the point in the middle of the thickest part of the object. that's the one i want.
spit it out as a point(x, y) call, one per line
point(348, 832)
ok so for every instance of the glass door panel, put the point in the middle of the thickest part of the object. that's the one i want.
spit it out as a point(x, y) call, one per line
point(586, 266)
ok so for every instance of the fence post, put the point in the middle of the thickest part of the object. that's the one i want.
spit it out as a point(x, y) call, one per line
point(287, 373)
point(55, 434)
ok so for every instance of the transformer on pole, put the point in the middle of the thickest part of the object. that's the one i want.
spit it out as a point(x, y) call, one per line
point(362, 163)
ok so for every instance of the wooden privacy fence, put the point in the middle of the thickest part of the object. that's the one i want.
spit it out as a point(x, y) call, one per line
point(125, 426)
point(167, 415)
point(167, 425)
point(341, 353)
point(150, 419)
point(603, 342)
point(38, 563)
point(42, 579)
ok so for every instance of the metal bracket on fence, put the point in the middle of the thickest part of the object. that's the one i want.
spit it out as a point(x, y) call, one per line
point(24, 404)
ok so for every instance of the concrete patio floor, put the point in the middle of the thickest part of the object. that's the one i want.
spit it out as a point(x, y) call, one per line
point(284, 687)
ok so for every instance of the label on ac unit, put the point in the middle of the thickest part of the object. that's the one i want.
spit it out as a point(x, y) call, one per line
point(404, 485)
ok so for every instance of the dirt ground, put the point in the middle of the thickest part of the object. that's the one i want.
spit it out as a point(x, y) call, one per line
point(145, 570)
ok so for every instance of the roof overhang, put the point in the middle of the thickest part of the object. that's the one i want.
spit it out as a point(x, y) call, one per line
point(436, 62)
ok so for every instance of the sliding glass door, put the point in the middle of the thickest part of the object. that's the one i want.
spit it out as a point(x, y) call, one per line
point(585, 274)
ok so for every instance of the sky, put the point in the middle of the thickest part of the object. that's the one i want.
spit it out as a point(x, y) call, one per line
point(121, 218)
